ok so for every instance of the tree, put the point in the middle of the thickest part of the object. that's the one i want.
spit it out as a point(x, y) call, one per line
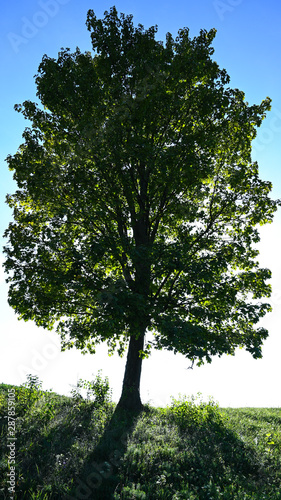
point(138, 202)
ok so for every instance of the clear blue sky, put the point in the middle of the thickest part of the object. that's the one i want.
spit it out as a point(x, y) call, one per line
point(247, 44)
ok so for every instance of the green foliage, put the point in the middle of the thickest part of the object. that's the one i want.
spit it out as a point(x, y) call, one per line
point(98, 390)
point(38, 496)
point(194, 413)
point(33, 386)
point(26, 396)
point(132, 492)
point(190, 450)
point(33, 383)
point(193, 450)
point(138, 202)
point(52, 439)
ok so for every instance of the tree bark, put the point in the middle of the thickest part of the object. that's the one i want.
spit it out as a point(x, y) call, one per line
point(130, 397)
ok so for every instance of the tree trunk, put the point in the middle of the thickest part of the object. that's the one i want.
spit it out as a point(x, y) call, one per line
point(130, 398)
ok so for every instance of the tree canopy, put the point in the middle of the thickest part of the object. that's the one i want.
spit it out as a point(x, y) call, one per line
point(138, 201)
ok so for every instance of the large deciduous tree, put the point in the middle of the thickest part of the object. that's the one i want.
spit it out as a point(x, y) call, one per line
point(138, 202)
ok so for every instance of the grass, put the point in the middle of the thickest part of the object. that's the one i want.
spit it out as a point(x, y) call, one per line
point(80, 448)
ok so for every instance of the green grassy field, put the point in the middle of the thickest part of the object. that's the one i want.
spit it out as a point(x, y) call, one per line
point(79, 448)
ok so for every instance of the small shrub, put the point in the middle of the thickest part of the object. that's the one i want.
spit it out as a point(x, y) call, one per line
point(97, 391)
point(193, 412)
point(33, 383)
point(132, 492)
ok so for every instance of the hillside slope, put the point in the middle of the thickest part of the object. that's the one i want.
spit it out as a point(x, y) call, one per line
point(75, 448)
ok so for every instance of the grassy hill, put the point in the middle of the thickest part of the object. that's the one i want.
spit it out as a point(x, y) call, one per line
point(79, 448)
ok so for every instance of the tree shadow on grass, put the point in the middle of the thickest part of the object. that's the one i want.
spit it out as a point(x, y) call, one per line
point(200, 460)
point(41, 443)
point(50, 461)
point(191, 450)
point(98, 478)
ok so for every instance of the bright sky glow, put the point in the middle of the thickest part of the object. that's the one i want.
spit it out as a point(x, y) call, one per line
point(248, 45)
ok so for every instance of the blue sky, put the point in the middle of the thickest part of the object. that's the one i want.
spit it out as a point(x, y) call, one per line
point(247, 45)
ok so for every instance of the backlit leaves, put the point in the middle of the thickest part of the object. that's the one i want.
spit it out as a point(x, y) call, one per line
point(137, 199)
